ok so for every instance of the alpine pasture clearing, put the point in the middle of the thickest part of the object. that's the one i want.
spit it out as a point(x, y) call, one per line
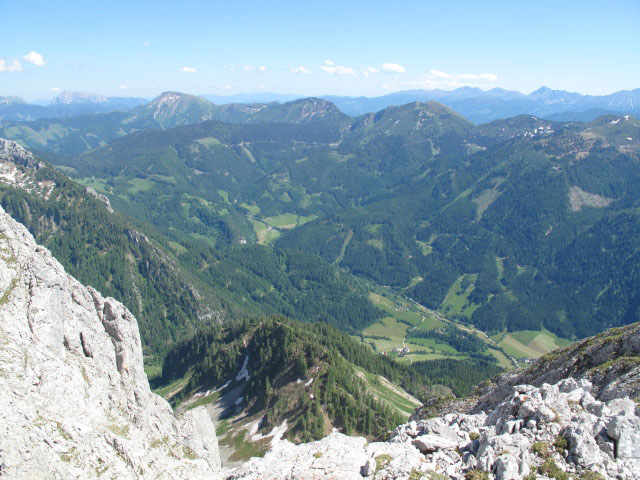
point(265, 233)
point(288, 220)
point(457, 303)
point(531, 343)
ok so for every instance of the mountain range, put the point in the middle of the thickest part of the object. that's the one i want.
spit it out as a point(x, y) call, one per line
point(481, 106)
point(415, 197)
point(477, 105)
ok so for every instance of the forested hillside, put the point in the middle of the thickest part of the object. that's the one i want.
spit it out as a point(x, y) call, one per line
point(523, 228)
point(171, 288)
point(312, 376)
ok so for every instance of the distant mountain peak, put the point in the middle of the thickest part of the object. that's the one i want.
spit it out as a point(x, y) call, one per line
point(11, 100)
point(302, 110)
point(171, 109)
point(548, 96)
point(313, 106)
point(67, 97)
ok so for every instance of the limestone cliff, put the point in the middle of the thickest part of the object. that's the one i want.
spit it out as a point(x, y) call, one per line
point(74, 398)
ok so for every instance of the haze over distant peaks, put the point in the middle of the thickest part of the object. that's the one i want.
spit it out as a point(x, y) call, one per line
point(11, 100)
point(475, 104)
point(67, 97)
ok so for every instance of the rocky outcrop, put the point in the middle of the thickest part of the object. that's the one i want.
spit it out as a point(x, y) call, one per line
point(13, 152)
point(550, 431)
point(74, 398)
point(18, 168)
point(610, 361)
point(100, 196)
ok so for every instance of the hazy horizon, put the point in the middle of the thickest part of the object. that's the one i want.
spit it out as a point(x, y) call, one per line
point(53, 95)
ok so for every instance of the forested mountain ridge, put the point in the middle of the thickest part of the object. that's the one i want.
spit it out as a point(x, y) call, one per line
point(414, 197)
point(478, 222)
point(74, 136)
point(102, 249)
point(172, 287)
point(308, 378)
point(481, 106)
point(511, 221)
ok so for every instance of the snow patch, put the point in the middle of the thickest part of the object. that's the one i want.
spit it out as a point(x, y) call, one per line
point(239, 400)
point(222, 387)
point(613, 122)
point(309, 382)
point(244, 373)
point(276, 433)
point(254, 427)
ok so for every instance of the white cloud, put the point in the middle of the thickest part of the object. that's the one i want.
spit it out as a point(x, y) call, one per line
point(146, 44)
point(249, 68)
point(187, 69)
point(13, 66)
point(334, 69)
point(393, 67)
point(227, 87)
point(35, 58)
point(299, 70)
point(56, 89)
point(369, 70)
point(122, 87)
point(262, 68)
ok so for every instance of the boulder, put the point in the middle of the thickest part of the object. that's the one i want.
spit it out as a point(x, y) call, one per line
point(625, 430)
point(430, 443)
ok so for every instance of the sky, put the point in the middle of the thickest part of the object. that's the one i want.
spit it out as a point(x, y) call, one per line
point(141, 48)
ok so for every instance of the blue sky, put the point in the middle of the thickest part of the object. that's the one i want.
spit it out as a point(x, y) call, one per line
point(141, 48)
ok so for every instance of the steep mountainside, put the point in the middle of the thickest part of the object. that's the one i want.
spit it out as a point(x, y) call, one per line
point(300, 379)
point(170, 109)
point(503, 238)
point(74, 398)
point(102, 249)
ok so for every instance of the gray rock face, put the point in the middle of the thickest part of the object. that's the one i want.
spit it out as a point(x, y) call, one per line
point(12, 152)
point(625, 430)
point(531, 426)
point(609, 362)
point(16, 167)
point(103, 198)
point(74, 398)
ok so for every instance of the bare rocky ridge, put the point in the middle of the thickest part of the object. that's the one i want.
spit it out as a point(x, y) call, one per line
point(74, 398)
point(549, 432)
